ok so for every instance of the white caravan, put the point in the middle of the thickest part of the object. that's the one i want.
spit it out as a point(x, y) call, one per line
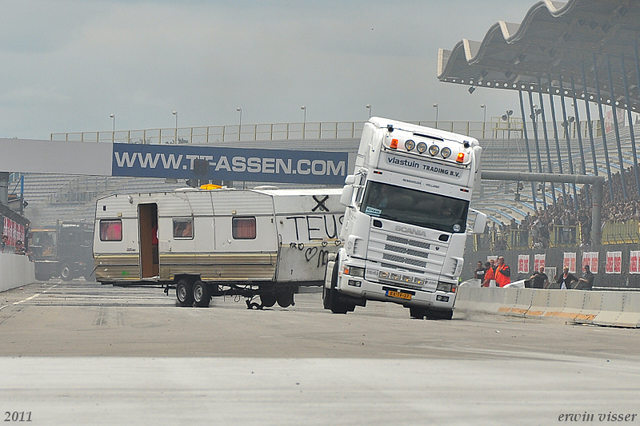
point(207, 243)
point(405, 224)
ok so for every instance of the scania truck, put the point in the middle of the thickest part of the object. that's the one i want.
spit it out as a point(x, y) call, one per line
point(405, 225)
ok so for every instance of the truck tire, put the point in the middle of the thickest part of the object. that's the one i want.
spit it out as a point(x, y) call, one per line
point(439, 315)
point(332, 298)
point(201, 294)
point(184, 292)
point(326, 297)
point(417, 313)
point(326, 292)
point(66, 273)
point(41, 276)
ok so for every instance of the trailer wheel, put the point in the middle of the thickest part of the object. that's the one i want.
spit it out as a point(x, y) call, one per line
point(201, 294)
point(268, 299)
point(285, 298)
point(184, 293)
point(65, 272)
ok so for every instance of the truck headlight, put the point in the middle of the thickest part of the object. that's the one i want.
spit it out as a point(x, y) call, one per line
point(355, 271)
point(446, 287)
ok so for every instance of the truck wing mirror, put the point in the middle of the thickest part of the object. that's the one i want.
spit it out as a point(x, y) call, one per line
point(480, 223)
point(350, 179)
point(347, 194)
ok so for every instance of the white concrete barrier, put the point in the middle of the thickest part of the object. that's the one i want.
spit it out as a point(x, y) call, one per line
point(609, 308)
point(15, 271)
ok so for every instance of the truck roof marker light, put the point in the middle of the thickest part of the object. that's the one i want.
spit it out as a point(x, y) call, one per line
point(409, 144)
point(460, 158)
point(394, 144)
point(434, 150)
point(422, 147)
point(445, 152)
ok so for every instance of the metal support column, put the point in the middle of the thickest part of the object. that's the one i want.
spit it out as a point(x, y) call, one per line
point(526, 142)
point(604, 136)
point(617, 129)
point(589, 124)
point(534, 121)
point(579, 131)
point(555, 135)
point(546, 140)
point(567, 135)
point(630, 118)
point(4, 188)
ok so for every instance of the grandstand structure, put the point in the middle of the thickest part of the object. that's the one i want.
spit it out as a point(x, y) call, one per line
point(575, 64)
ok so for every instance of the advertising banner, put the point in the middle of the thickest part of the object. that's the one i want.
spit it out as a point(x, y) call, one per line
point(569, 260)
point(538, 261)
point(634, 263)
point(591, 258)
point(216, 163)
point(523, 263)
point(614, 262)
point(13, 230)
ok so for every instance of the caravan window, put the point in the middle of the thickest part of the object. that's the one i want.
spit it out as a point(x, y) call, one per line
point(243, 228)
point(111, 230)
point(183, 228)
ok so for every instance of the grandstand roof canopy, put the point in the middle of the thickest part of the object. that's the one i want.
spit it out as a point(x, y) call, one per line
point(549, 48)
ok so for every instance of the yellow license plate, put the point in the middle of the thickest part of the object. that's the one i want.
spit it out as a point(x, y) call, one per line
point(398, 295)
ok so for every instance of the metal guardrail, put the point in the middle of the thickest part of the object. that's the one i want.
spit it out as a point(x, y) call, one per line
point(494, 129)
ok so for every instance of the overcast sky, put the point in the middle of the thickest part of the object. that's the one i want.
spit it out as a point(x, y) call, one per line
point(68, 64)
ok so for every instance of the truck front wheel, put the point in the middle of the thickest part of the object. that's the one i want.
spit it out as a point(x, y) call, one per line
point(417, 313)
point(439, 315)
point(184, 293)
point(332, 297)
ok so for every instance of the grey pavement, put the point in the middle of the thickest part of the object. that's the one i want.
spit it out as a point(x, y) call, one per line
point(81, 354)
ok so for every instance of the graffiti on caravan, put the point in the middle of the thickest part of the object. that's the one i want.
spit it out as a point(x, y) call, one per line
point(254, 165)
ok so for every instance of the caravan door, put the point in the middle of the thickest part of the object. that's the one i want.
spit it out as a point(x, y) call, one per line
point(148, 237)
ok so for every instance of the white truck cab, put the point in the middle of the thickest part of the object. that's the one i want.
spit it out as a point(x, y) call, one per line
point(405, 224)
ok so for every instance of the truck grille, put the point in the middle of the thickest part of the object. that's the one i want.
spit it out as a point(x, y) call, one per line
point(406, 241)
point(421, 259)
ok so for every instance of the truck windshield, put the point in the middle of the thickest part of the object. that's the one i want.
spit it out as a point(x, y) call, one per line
point(413, 207)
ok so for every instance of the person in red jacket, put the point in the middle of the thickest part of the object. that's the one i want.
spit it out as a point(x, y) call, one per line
point(503, 273)
point(489, 275)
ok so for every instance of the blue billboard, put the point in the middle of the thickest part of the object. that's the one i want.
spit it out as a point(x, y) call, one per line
point(216, 163)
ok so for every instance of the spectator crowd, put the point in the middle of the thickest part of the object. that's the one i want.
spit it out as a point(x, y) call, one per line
point(563, 223)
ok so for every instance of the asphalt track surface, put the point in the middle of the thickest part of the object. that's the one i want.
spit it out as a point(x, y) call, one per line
point(80, 353)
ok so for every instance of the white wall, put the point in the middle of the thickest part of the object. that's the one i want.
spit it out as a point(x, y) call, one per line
point(15, 271)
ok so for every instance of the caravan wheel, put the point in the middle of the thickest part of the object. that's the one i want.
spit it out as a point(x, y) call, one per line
point(184, 293)
point(201, 294)
point(268, 299)
point(285, 298)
